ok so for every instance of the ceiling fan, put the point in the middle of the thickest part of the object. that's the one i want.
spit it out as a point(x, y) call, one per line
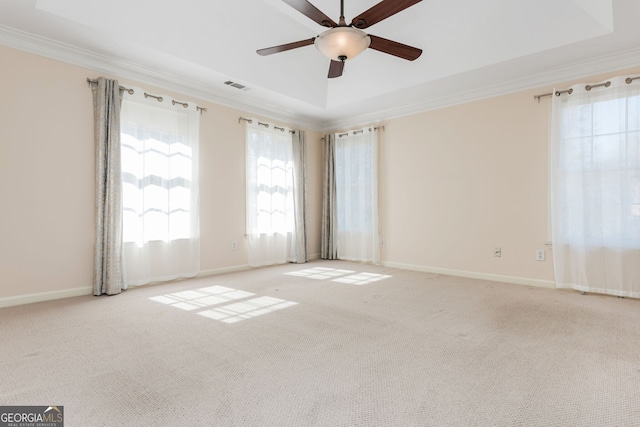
point(342, 41)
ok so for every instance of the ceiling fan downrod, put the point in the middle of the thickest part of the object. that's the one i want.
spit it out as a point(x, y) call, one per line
point(342, 22)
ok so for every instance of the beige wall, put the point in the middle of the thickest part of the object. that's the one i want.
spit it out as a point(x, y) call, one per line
point(457, 182)
point(47, 179)
point(46, 176)
point(454, 183)
point(460, 181)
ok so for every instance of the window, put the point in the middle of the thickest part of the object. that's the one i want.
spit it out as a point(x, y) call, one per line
point(357, 195)
point(595, 159)
point(270, 205)
point(599, 170)
point(160, 189)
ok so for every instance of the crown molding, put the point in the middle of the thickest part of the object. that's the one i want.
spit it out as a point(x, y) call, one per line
point(67, 53)
point(558, 75)
point(64, 52)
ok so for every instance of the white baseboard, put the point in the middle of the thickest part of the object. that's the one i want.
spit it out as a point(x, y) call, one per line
point(88, 290)
point(474, 275)
point(45, 296)
point(223, 270)
point(311, 257)
point(75, 292)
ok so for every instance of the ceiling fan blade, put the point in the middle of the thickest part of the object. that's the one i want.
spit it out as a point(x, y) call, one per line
point(283, 47)
point(335, 69)
point(311, 12)
point(394, 48)
point(381, 11)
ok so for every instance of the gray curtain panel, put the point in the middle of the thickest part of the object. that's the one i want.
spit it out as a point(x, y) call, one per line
point(108, 271)
point(329, 237)
point(300, 194)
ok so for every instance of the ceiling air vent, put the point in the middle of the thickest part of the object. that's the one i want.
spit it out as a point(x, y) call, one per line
point(236, 85)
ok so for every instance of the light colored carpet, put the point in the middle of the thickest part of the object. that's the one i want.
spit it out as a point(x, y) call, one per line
point(333, 344)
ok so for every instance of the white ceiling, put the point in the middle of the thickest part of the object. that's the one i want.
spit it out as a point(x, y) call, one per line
point(471, 49)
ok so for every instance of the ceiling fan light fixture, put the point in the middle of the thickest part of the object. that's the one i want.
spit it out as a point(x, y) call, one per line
point(342, 43)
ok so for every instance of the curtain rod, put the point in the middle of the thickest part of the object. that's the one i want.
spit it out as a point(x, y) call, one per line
point(588, 87)
point(148, 95)
point(126, 89)
point(355, 132)
point(264, 124)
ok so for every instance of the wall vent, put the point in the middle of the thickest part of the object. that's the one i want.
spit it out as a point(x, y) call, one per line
point(236, 85)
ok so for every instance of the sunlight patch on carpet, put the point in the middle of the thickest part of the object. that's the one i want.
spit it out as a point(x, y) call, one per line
point(362, 278)
point(337, 275)
point(201, 298)
point(320, 273)
point(236, 312)
point(205, 298)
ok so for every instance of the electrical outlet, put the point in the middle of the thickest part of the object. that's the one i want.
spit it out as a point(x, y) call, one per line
point(497, 252)
point(540, 254)
point(381, 242)
point(234, 245)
